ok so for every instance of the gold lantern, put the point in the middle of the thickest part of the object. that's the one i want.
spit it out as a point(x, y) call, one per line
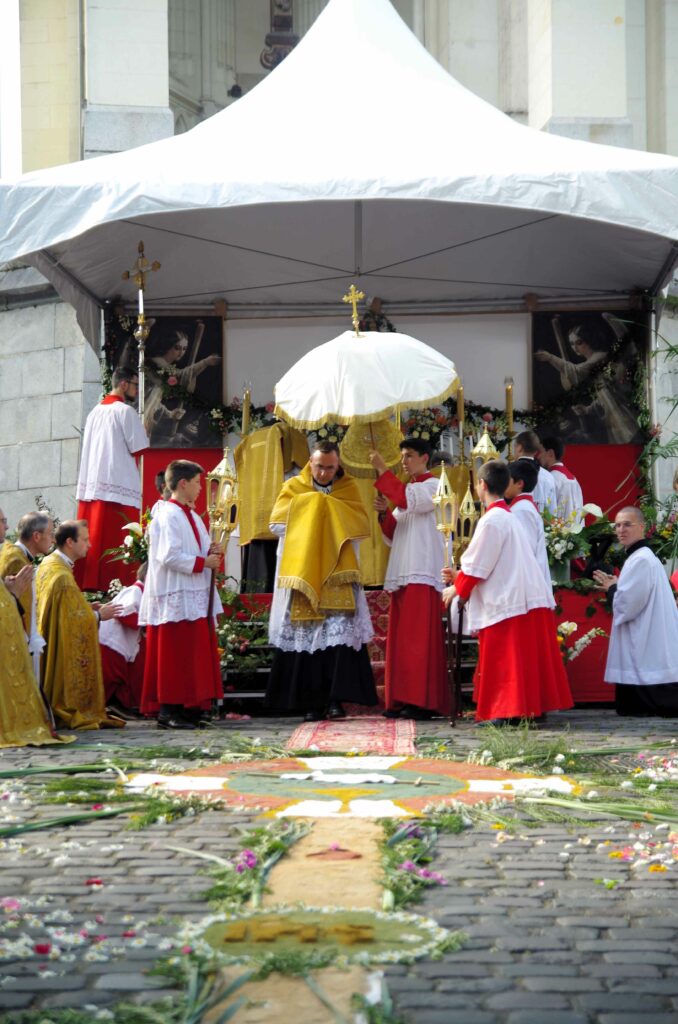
point(445, 502)
point(484, 451)
point(468, 517)
point(223, 501)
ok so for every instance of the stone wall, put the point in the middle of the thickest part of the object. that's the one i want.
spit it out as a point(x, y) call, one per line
point(49, 380)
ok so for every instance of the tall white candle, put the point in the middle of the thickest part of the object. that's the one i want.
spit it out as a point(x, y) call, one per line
point(141, 301)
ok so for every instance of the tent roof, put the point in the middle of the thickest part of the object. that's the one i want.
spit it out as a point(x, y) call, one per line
point(358, 159)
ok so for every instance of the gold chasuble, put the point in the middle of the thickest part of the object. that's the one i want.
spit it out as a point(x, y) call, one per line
point(71, 662)
point(261, 461)
point(23, 719)
point(318, 562)
point(12, 561)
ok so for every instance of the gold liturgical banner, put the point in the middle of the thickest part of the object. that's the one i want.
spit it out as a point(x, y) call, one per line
point(261, 461)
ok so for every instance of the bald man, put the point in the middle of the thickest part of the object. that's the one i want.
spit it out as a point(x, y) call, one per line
point(642, 658)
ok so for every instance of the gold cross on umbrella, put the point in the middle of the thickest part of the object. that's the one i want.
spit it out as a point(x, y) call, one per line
point(354, 297)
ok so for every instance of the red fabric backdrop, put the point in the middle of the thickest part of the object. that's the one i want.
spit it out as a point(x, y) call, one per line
point(156, 459)
point(601, 468)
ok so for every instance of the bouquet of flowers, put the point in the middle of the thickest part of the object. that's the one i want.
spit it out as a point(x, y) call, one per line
point(426, 423)
point(567, 538)
point(565, 631)
point(134, 548)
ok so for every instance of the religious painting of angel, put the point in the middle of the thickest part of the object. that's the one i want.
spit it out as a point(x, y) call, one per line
point(183, 376)
point(586, 369)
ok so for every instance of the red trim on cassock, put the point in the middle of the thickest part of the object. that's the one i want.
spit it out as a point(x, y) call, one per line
point(105, 520)
point(388, 523)
point(110, 399)
point(524, 497)
point(560, 467)
point(520, 672)
point(465, 585)
point(123, 679)
point(187, 512)
point(392, 488)
point(130, 621)
point(199, 564)
point(416, 667)
point(499, 503)
point(182, 665)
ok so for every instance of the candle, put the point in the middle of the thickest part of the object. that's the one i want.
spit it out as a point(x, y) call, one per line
point(141, 301)
point(460, 403)
point(508, 382)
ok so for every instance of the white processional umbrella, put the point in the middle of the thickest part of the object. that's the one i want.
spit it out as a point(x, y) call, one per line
point(362, 379)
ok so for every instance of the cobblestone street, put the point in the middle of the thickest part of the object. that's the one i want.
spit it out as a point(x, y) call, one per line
point(547, 941)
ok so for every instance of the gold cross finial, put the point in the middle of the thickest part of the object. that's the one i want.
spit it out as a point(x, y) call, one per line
point(354, 296)
point(140, 268)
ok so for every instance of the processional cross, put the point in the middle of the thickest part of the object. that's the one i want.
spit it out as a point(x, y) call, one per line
point(354, 297)
point(140, 269)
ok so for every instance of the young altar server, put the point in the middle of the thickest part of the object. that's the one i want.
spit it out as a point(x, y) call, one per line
point(520, 671)
point(182, 672)
point(123, 649)
point(528, 446)
point(642, 659)
point(569, 497)
point(416, 671)
point(519, 494)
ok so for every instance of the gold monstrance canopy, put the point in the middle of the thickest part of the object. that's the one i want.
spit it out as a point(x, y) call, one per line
point(223, 502)
point(445, 502)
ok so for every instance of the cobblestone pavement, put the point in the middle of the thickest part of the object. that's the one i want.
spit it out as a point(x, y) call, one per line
point(546, 943)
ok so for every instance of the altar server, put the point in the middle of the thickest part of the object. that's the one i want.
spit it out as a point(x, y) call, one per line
point(520, 671)
point(182, 674)
point(109, 483)
point(569, 497)
point(417, 684)
point(528, 446)
point(642, 658)
point(519, 494)
point(123, 649)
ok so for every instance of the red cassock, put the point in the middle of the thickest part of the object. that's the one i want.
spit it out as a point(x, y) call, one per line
point(105, 520)
point(520, 672)
point(416, 667)
point(182, 660)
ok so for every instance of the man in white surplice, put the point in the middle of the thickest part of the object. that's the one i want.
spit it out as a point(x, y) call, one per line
point(643, 654)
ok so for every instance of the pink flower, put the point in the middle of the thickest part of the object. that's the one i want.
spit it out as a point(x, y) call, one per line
point(407, 865)
point(270, 406)
point(187, 949)
point(9, 903)
point(172, 380)
point(95, 882)
point(42, 948)
point(487, 416)
point(129, 934)
point(97, 807)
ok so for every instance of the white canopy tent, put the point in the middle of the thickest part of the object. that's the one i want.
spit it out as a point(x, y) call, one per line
point(359, 159)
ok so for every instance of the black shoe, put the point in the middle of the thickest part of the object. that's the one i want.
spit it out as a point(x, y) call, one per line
point(314, 716)
point(418, 714)
point(392, 713)
point(174, 722)
point(335, 710)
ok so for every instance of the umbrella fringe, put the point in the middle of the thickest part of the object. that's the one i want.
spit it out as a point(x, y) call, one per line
point(371, 417)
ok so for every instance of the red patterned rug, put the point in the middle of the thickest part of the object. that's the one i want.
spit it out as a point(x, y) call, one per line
point(364, 735)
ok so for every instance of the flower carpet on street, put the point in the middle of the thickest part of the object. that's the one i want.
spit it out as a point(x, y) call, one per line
point(243, 877)
point(369, 786)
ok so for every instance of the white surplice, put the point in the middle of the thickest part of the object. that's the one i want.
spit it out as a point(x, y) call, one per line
point(544, 493)
point(500, 554)
point(527, 514)
point(108, 471)
point(417, 549)
point(173, 592)
point(569, 496)
point(113, 634)
point(643, 647)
